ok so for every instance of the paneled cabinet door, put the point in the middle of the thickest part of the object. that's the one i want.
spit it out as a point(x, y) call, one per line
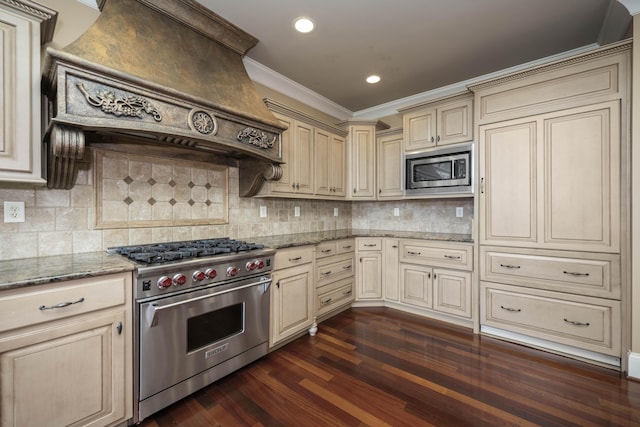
point(71, 374)
point(416, 283)
point(452, 292)
point(292, 296)
point(391, 270)
point(363, 162)
point(390, 167)
point(297, 155)
point(553, 181)
point(369, 275)
point(330, 155)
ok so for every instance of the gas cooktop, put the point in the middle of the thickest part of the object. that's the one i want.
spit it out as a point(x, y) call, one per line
point(175, 251)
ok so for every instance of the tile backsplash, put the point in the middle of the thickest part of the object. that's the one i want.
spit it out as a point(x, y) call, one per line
point(64, 221)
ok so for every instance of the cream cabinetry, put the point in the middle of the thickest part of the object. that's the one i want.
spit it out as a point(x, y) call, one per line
point(24, 26)
point(439, 123)
point(390, 170)
point(391, 269)
point(65, 353)
point(330, 164)
point(369, 269)
point(553, 186)
point(335, 276)
point(361, 164)
point(292, 294)
point(437, 276)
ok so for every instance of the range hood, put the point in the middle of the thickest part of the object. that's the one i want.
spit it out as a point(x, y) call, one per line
point(166, 75)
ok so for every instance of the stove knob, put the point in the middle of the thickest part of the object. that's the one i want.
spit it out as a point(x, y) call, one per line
point(260, 264)
point(199, 276)
point(179, 279)
point(210, 273)
point(232, 271)
point(164, 282)
point(251, 265)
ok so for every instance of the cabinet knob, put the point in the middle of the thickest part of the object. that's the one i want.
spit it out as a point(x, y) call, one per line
point(432, 139)
point(119, 328)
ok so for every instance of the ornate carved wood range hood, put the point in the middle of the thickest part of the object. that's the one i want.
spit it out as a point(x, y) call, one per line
point(159, 74)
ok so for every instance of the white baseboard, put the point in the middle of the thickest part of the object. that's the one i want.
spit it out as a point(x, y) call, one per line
point(633, 370)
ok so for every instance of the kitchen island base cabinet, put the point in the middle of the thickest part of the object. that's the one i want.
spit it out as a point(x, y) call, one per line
point(66, 368)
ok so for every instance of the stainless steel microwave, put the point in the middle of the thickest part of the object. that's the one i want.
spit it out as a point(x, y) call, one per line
point(442, 171)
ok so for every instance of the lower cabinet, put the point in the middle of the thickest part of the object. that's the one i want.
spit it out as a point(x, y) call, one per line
point(369, 269)
point(335, 276)
point(292, 293)
point(67, 364)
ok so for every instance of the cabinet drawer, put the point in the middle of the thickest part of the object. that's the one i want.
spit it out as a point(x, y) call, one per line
point(437, 254)
point(335, 295)
point(338, 268)
point(326, 249)
point(578, 273)
point(290, 257)
point(369, 244)
point(344, 246)
point(585, 322)
point(22, 307)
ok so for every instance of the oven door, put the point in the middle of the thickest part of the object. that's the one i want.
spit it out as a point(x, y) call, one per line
point(186, 334)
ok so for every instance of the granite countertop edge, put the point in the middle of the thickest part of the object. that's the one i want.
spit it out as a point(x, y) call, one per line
point(58, 268)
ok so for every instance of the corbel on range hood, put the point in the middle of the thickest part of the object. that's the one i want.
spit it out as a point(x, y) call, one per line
point(159, 74)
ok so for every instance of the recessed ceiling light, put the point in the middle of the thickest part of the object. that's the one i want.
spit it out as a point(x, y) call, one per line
point(304, 25)
point(373, 79)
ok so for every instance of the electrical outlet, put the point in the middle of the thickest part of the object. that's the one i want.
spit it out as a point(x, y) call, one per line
point(335, 211)
point(296, 211)
point(263, 211)
point(459, 212)
point(396, 211)
point(13, 211)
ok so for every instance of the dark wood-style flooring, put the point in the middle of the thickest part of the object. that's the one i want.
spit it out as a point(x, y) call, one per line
point(383, 367)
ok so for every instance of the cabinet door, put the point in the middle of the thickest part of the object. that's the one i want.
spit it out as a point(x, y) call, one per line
point(369, 275)
point(454, 122)
point(391, 270)
point(291, 302)
point(362, 162)
point(286, 184)
point(390, 168)
point(582, 178)
point(420, 130)
point(71, 374)
point(304, 171)
point(452, 292)
point(508, 188)
point(322, 160)
point(338, 166)
point(417, 285)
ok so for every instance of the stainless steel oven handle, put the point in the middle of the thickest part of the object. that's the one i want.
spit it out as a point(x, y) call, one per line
point(152, 310)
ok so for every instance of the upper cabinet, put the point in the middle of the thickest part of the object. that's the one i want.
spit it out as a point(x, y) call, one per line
point(438, 123)
point(314, 156)
point(24, 26)
point(390, 165)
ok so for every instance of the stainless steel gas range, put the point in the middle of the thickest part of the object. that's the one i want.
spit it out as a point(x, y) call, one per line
point(201, 311)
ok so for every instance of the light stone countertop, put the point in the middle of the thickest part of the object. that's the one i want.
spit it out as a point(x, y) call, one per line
point(38, 271)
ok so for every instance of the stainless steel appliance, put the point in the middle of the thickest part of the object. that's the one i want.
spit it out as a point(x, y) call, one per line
point(201, 311)
point(441, 171)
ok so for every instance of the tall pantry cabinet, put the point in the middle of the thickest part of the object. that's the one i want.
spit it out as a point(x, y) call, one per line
point(553, 219)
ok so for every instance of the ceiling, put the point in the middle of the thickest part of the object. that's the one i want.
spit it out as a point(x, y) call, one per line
point(416, 46)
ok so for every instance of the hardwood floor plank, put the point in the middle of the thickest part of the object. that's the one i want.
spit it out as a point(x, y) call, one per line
point(378, 366)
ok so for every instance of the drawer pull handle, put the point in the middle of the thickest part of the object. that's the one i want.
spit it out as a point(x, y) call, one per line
point(61, 305)
point(298, 258)
point(327, 301)
point(347, 267)
point(575, 323)
point(509, 266)
point(370, 245)
point(325, 251)
point(394, 246)
point(511, 309)
point(452, 257)
point(346, 247)
point(325, 273)
point(413, 253)
point(347, 292)
point(573, 273)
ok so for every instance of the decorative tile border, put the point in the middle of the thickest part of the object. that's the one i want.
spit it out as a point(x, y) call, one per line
point(144, 191)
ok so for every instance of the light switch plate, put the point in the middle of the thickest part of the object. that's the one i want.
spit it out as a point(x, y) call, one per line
point(335, 211)
point(396, 211)
point(13, 211)
point(296, 211)
point(263, 211)
point(459, 212)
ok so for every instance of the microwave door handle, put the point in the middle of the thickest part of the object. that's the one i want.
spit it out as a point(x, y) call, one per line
point(151, 313)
